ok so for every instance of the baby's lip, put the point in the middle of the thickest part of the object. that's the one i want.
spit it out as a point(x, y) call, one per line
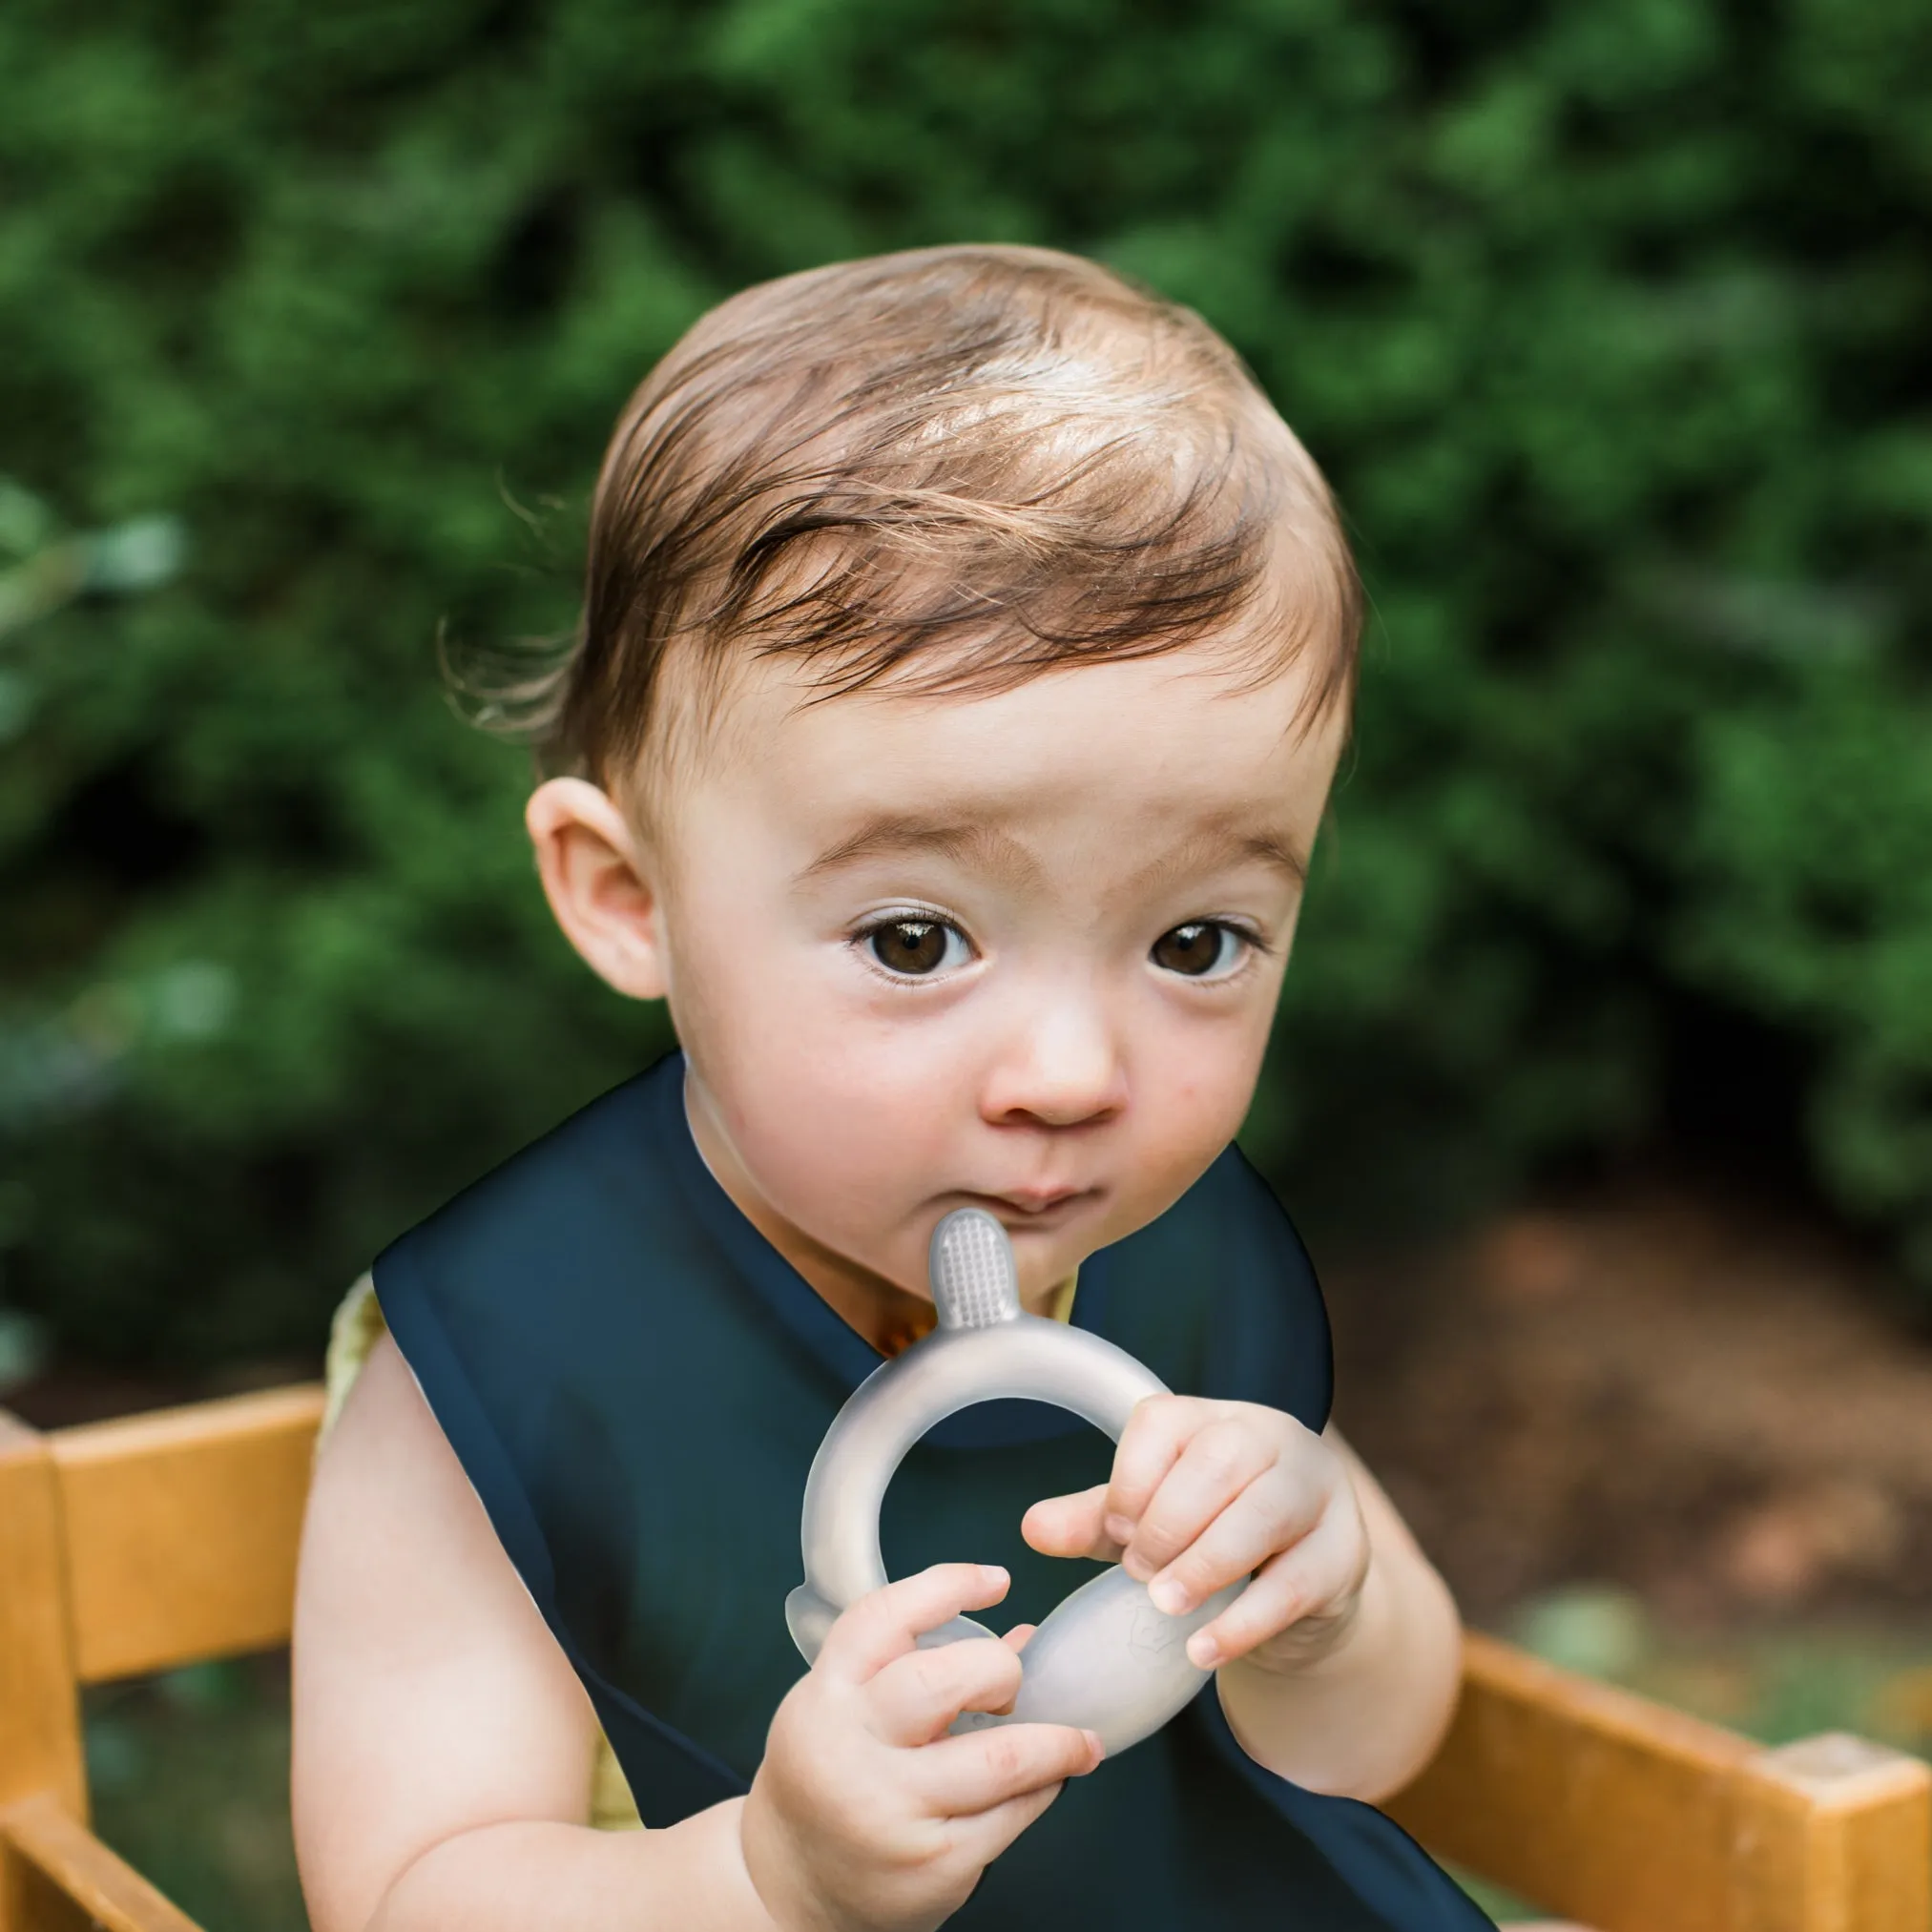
point(1033, 1204)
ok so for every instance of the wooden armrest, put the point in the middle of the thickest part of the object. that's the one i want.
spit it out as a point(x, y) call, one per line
point(55, 1875)
point(181, 1528)
point(1630, 1818)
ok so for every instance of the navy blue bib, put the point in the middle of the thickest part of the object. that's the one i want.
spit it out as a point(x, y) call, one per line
point(636, 1383)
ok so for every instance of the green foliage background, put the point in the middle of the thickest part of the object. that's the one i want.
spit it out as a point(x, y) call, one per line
point(1609, 324)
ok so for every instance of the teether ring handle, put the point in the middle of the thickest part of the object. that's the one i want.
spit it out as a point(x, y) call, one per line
point(1106, 1659)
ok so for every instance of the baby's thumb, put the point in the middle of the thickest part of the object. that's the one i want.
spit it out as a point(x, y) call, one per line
point(1069, 1525)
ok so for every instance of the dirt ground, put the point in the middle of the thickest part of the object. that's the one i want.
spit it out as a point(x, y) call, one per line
point(1696, 1399)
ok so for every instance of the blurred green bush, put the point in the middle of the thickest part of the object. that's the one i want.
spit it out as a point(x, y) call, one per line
point(1610, 325)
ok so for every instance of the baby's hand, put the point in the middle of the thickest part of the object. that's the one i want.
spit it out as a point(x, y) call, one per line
point(864, 1814)
point(1204, 1492)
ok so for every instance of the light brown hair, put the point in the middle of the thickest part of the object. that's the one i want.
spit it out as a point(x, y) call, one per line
point(955, 467)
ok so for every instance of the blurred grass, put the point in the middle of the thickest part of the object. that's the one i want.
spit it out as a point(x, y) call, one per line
point(189, 1771)
point(1777, 1680)
point(190, 1779)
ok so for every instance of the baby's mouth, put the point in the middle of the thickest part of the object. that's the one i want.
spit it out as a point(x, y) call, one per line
point(1036, 1210)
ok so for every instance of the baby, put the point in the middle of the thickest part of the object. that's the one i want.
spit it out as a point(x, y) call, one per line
point(966, 653)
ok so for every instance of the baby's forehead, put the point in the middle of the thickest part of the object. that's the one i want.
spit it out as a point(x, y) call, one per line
point(1191, 754)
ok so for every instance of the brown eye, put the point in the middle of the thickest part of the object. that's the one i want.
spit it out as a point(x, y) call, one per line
point(1198, 950)
point(916, 947)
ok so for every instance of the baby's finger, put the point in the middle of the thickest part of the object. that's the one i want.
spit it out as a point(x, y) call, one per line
point(1274, 1513)
point(912, 1699)
point(1016, 1640)
point(1071, 1526)
point(984, 1838)
point(1218, 1464)
point(888, 1622)
point(962, 1777)
point(1325, 1567)
point(1150, 1445)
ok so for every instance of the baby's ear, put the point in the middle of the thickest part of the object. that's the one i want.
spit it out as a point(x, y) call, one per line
point(598, 882)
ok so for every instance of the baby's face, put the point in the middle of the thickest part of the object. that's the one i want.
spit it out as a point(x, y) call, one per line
point(1017, 951)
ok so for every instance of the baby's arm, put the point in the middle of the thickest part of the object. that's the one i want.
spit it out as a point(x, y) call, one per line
point(1366, 1716)
point(443, 1745)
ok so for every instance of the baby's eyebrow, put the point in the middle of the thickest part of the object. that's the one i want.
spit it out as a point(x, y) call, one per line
point(980, 846)
point(1277, 852)
point(1217, 845)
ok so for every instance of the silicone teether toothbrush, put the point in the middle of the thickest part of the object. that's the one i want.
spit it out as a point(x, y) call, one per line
point(1106, 1659)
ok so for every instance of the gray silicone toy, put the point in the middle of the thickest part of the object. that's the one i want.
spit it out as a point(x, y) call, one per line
point(1106, 1659)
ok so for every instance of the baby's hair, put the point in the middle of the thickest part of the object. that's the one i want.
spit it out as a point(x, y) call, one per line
point(954, 469)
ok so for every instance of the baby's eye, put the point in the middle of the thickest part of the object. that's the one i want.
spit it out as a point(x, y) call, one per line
point(1202, 950)
point(916, 947)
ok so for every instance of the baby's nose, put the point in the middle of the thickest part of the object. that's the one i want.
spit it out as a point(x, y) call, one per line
point(1062, 1067)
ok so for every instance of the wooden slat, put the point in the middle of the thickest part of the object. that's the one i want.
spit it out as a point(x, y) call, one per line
point(182, 1528)
point(30, 1903)
point(1834, 1835)
point(1592, 1802)
point(40, 1748)
point(59, 1874)
point(1630, 1818)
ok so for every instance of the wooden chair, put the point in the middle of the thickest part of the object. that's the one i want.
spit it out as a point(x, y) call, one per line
point(162, 1539)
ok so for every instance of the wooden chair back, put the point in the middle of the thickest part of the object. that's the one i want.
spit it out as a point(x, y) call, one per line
point(165, 1539)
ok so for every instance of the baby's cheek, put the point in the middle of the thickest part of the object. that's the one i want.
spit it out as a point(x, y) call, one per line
point(842, 1145)
point(1196, 1111)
